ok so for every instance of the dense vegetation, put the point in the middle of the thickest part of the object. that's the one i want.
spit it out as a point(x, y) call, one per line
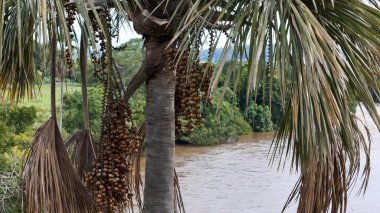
point(227, 118)
point(16, 132)
point(325, 55)
point(16, 129)
point(223, 121)
point(73, 112)
point(231, 119)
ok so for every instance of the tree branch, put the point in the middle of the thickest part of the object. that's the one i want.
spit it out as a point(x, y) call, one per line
point(152, 63)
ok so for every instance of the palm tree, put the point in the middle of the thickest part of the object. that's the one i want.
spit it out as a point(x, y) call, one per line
point(324, 52)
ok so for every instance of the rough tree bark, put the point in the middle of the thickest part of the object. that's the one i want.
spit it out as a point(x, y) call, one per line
point(160, 135)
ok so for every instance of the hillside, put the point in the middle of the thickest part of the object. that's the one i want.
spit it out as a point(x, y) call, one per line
point(218, 54)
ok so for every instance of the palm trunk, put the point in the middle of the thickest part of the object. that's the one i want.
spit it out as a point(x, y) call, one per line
point(160, 135)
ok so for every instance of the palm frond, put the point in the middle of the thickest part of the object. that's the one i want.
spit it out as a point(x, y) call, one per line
point(25, 23)
point(325, 54)
point(84, 151)
point(82, 143)
point(51, 183)
point(17, 72)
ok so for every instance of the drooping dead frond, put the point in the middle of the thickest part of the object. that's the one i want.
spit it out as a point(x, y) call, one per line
point(51, 183)
point(324, 182)
point(138, 183)
point(178, 196)
point(84, 151)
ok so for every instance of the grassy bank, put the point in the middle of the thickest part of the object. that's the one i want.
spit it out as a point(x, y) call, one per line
point(42, 98)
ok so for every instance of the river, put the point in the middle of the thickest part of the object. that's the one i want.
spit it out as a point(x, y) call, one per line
point(237, 178)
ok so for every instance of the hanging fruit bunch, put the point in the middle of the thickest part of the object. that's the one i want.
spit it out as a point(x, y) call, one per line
point(70, 18)
point(192, 88)
point(98, 56)
point(111, 174)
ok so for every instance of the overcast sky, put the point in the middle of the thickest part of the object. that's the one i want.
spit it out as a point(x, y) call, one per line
point(126, 33)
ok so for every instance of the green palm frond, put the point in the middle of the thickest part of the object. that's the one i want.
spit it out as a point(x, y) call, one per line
point(17, 72)
point(26, 22)
point(325, 53)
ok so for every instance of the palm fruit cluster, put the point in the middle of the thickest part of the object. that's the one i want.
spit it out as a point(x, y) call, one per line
point(192, 87)
point(98, 57)
point(110, 176)
point(70, 18)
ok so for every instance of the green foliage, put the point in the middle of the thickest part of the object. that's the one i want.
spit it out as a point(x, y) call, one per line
point(16, 127)
point(5, 139)
point(129, 59)
point(259, 118)
point(261, 97)
point(137, 103)
point(73, 111)
point(16, 132)
point(228, 122)
point(21, 117)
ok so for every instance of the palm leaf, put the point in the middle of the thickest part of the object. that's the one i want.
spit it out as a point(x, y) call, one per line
point(84, 151)
point(17, 73)
point(25, 22)
point(325, 54)
point(51, 183)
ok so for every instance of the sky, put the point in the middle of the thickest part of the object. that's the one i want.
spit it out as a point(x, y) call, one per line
point(126, 33)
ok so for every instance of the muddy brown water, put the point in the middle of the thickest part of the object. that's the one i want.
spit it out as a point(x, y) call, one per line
point(237, 177)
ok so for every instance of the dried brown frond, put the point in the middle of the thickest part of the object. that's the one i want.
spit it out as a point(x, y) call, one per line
point(51, 183)
point(83, 151)
point(178, 196)
point(321, 184)
point(138, 183)
point(325, 181)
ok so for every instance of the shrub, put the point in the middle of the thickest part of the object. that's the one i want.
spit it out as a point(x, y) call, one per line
point(73, 111)
point(21, 118)
point(16, 126)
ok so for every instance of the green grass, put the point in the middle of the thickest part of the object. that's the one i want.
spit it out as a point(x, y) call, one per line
point(42, 98)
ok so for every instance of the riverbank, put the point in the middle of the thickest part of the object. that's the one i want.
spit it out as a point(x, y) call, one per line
point(237, 177)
